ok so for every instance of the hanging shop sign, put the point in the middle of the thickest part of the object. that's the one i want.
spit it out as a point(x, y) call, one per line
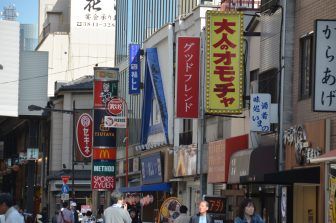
point(151, 169)
point(118, 122)
point(185, 160)
point(224, 68)
point(103, 136)
point(104, 154)
point(260, 112)
point(84, 134)
point(115, 106)
point(304, 151)
point(188, 60)
point(134, 69)
point(325, 66)
point(217, 205)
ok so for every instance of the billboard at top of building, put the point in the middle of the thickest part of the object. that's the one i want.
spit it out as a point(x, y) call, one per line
point(224, 68)
point(9, 68)
point(325, 61)
point(92, 14)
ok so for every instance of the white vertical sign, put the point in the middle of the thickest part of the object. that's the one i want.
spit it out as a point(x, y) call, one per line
point(325, 66)
point(260, 110)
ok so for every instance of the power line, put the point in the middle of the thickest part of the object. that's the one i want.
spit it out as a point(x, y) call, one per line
point(35, 77)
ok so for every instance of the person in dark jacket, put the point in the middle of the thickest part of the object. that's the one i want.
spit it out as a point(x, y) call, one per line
point(202, 216)
point(247, 213)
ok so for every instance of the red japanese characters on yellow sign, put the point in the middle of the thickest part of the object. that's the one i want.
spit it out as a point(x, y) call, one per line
point(224, 69)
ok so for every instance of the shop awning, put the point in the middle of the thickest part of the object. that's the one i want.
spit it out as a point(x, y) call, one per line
point(250, 165)
point(300, 175)
point(328, 156)
point(147, 188)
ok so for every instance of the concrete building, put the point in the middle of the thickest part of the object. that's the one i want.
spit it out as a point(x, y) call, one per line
point(77, 35)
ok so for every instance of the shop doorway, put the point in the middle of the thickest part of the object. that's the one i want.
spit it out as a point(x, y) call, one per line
point(305, 200)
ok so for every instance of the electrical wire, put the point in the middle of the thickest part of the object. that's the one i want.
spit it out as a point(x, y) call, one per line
point(35, 77)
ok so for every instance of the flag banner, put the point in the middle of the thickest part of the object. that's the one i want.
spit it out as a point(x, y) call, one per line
point(188, 60)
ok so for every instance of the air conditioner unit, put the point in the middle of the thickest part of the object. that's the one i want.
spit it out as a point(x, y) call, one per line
point(268, 5)
point(254, 87)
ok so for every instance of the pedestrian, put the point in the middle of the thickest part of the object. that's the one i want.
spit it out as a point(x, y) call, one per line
point(7, 208)
point(202, 216)
point(247, 213)
point(183, 217)
point(88, 218)
point(73, 207)
point(65, 215)
point(117, 213)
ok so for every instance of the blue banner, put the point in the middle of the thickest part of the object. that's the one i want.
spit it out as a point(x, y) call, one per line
point(155, 73)
point(147, 105)
point(151, 169)
point(134, 69)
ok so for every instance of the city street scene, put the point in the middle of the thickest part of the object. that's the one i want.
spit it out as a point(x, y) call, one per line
point(167, 111)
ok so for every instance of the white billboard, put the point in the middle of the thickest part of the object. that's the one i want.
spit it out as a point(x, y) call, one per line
point(325, 66)
point(92, 34)
point(92, 14)
point(9, 71)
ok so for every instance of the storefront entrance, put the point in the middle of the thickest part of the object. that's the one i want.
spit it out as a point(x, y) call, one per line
point(305, 200)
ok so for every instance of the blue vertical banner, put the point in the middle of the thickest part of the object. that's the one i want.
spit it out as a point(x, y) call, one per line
point(156, 77)
point(134, 69)
point(147, 106)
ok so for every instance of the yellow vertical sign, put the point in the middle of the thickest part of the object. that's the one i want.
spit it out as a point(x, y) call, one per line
point(224, 67)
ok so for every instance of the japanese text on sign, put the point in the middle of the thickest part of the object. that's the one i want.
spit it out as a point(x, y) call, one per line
point(325, 69)
point(260, 112)
point(224, 81)
point(188, 77)
point(92, 13)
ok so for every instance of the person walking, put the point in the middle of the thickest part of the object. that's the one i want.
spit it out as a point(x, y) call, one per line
point(117, 213)
point(247, 213)
point(183, 217)
point(73, 207)
point(202, 216)
point(7, 208)
point(65, 215)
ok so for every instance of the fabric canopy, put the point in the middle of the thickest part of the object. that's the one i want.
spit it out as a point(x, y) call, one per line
point(328, 156)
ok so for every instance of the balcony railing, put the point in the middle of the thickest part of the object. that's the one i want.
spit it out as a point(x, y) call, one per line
point(240, 5)
point(186, 138)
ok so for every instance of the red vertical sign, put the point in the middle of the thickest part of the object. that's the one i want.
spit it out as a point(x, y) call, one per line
point(188, 56)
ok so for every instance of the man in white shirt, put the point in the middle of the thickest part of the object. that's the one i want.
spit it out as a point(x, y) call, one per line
point(7, 208)
point(117, 213)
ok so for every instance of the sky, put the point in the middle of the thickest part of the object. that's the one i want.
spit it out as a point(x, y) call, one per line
point(27, 9)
